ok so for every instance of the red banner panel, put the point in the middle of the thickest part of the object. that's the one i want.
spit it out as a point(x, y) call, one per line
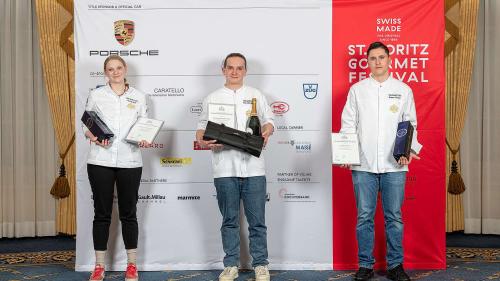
point(414, 33)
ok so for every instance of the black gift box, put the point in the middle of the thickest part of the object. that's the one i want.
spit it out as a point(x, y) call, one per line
point(96, 126)
point(234, 138)
point(404, 136)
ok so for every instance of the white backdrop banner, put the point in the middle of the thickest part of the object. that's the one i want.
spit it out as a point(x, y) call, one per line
point(175, 56)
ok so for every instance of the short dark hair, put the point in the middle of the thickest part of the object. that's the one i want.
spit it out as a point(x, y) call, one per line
point(377, 45)
point(231, 55)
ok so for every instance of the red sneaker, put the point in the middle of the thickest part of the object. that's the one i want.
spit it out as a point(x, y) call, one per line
point(97, 274)
point(131, 273)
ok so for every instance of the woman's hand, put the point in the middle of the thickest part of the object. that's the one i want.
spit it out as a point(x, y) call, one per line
point(102, 143)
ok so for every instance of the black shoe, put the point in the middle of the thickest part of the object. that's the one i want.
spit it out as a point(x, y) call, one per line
point(363, 274)
point(398, 274)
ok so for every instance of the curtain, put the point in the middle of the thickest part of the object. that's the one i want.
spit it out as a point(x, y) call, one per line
point(28, 154)
point(481, 137)
point(461, 21)
point(55, 22)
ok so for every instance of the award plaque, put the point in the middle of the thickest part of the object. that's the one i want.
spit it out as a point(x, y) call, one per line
point(221, 113)
point(234, 138)
point(404, 136)
point(345, 149)
point(96, 126)
point(144, 129)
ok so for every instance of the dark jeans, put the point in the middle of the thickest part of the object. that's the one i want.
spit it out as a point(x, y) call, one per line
point(102, 181)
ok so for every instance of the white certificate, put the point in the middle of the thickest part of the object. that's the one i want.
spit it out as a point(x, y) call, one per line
point(345, 149)
point(222, 113)
point(144, 129)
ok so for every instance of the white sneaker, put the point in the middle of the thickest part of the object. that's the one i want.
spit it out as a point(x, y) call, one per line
point(229, 273)
point(262, 273)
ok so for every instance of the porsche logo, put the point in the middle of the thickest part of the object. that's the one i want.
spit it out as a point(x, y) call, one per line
point(124, 31)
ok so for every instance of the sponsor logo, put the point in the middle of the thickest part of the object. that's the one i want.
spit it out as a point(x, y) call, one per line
point(310, 90)
point(300, 146)
point(389, 29)
point(111, 6)
point(293, 176)
point(152, 198)
point(280, 107)
point(196, 109)
point(197, 146)
point(189, 197)
point(124, 53)
point(143, 198)
point(154, 180)
point(168, 92)
point(401, 133)
point(124, 31)
point(389, 24)
point(287, 196)
point(175, 161)
point(152, 145)
point(247, 101)
point(303, 147)
point(290, 128)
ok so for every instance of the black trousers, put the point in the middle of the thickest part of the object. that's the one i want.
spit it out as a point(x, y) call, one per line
point(102, 181)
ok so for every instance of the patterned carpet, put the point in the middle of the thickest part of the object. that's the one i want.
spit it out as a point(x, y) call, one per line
point(474, 264)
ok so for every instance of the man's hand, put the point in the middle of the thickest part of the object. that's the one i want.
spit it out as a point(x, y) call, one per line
point(404, 161)
point(212, 144)
point(207, 144)
point(267, 131)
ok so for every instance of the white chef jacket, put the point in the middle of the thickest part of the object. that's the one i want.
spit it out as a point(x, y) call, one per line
point(231, 162)
point(373, 110)
point(119, 113)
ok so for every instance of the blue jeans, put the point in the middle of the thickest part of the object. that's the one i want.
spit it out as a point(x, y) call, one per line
point(252, 191)
point(392, 187)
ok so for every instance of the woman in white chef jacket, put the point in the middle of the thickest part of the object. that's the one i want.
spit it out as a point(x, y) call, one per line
point(115, 161)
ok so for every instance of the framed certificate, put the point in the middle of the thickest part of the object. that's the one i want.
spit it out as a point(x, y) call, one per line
point(222, 113)
point(345, 149)
point(144, 129)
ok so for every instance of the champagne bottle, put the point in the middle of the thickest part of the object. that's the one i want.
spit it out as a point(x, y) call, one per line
point(253, 126)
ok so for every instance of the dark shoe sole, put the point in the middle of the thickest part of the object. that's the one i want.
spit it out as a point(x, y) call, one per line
point(394, 278)
point(364, 279)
